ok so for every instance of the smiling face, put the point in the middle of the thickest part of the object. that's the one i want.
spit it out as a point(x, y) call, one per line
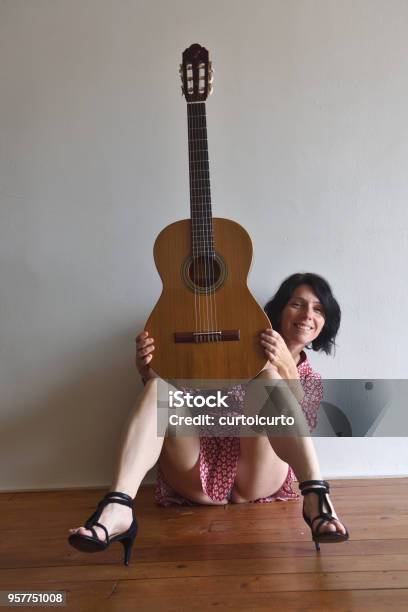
point(302, 319)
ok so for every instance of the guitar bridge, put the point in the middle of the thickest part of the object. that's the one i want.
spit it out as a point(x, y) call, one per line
point(225, 335)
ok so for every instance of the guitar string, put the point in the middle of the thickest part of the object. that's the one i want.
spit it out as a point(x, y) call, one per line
point(197, 305)
point(201, 220)
point(213, 302)
point(200, 184)
point(204, 186)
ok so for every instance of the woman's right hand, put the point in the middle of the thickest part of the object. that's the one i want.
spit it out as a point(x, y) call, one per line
point(144, 355)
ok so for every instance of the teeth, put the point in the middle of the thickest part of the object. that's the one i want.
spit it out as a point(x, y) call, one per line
point(302, 326)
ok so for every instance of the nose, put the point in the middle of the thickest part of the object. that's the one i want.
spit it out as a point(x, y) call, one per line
point(308, 311)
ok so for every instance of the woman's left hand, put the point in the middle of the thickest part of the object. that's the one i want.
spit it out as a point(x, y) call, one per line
point(278, 353)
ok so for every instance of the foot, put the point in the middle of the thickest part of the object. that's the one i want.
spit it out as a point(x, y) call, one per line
point(115, 517)
point(311, 508)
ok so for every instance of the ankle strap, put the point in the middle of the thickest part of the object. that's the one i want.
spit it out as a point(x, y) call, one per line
point(317, 484)
point(124, 496)
point(116, 497)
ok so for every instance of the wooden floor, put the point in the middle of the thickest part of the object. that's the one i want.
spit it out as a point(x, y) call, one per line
point(235, 557)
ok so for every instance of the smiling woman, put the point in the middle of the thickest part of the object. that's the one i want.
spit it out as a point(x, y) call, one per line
point(202, 469)
point(305, 312)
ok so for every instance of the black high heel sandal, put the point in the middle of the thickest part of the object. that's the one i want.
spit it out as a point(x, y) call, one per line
point(321, 488)
point(93, 543)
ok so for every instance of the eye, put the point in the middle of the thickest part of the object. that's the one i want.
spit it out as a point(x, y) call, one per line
point(296, 304)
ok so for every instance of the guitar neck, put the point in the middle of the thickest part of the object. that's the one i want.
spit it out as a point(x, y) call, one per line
point(200, 191)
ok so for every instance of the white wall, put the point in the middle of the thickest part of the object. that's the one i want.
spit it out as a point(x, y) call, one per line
point(308, 149)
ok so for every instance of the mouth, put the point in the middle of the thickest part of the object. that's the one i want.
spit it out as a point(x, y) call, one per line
point(303, 327)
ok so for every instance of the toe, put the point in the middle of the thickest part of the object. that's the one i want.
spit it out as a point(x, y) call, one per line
point(83, 531)
point(339, 527)
point(329, 527)
point(332, 527)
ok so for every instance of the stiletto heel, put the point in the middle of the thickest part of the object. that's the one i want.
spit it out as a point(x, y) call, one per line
point(93, 543)
point(321, 488)
point(127, 546)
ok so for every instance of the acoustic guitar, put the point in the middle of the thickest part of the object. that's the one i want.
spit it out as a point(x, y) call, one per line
point(206, 323)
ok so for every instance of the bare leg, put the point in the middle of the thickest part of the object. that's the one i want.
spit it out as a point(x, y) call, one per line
point(260, 471)
point(297, 451)
point(139, 451)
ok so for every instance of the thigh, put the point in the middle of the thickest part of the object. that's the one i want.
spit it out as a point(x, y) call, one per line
point(179, 460)
point(180, 465)
point(260, 471)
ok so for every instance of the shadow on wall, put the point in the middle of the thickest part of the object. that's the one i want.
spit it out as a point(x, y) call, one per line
point(68, 436)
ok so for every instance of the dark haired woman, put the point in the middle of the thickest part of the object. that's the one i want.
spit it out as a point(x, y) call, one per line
point(218, 470)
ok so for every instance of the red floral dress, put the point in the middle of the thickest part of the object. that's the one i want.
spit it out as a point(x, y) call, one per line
point(219, 455)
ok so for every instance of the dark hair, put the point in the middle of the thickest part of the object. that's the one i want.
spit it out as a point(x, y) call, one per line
point(325, 341)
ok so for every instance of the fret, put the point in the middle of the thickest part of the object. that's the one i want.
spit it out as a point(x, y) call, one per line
point(202, 230)
point(203, 251)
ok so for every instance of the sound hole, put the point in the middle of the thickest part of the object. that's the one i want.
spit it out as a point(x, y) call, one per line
point(204, 272)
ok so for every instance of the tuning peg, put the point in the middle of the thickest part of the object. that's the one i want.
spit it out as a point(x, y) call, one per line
point(210, 90)
point(182, 90)
point(181, 69)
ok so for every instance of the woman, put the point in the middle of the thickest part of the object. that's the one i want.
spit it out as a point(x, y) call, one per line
point(303, 313)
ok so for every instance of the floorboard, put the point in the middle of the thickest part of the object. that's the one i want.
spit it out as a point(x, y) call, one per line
point(234, 557)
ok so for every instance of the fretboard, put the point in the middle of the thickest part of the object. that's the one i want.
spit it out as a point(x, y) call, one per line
point(200, 193)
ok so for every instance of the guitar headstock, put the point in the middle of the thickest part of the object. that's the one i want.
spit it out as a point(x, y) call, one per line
point(196, 74)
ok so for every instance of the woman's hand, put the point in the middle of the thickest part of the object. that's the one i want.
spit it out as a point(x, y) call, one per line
point(278, 354)
point(280, 359)
point(144, 355)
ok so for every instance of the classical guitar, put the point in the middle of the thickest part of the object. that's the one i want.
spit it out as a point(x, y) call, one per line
point(206, 323)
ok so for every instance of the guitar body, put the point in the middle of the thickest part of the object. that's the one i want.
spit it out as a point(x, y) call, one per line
point(204, 301)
